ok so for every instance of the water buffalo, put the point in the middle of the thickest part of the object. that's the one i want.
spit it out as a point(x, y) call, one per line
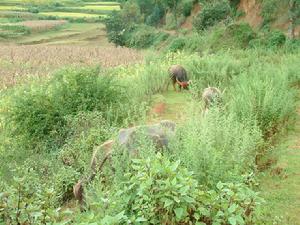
point(178, 76)
point(158, 133)
point(211, 96)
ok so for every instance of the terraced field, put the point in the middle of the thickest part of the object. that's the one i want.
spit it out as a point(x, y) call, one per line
point(71, 15)
point(43, 22)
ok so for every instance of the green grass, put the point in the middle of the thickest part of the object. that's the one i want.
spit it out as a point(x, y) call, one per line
point(71, 15)
point(281, 183)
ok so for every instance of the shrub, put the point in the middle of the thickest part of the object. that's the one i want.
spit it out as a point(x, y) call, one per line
point(27, 201)
point(33, 10)
point(211, 14)
point(242, 33)
point(85, 131)
point(144, 36)
point(269, 8)
point(38, 113)
point(187, 7)
point(264, 96)
point(275, 39)
point(156, 16)
point(176, 45)
point(210, 148)
point(159, 191)
point(115, 26)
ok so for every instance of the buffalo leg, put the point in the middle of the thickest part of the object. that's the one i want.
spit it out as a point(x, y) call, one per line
point(174, 86)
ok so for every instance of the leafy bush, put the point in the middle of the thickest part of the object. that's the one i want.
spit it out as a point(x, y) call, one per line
point(144, 36)
point(242, 33)
point(33, 10)
point(210, 148)
point(115, 26)
point(85, 130)
point(211, 14)
point(264, 98)
point(38, 113)
point(156, 16)
point(27, 201)
point(269, 9)
point(275, 39)
point(187, 7)
point(176, 45)
point(159, 191)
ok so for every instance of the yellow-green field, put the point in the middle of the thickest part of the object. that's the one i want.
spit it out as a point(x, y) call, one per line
point(102, 3)
point(101, 7)
point(71, 15)
point(10, 8)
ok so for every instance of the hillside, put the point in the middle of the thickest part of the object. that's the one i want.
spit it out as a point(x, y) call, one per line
point(149, 112)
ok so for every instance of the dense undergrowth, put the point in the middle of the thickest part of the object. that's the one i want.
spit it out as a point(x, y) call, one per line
point(207, 175)
point(160, 25)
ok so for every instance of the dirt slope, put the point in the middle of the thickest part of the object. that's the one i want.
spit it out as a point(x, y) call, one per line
point(188, 23)
point(252, 11)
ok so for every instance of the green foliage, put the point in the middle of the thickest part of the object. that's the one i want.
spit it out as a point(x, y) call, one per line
point(199, 179)
point(13, 31)
point(269, 9)
point(38, 112)
point(264, 96)
point(275, 39)
point(157, 190)
point(85, 130)
point(144, 36)
point(270, 40)
point(26, 201)
point(211, 14)
point(33, 10)
point(156, 16)
point(210, 147)
point(187, 7)
point(241, 33)
point(177, 44)
point(115, 27)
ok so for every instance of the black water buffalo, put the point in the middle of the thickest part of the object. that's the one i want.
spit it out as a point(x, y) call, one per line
point(178, 76)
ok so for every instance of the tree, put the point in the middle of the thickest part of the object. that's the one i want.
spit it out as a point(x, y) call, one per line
point(173, 4)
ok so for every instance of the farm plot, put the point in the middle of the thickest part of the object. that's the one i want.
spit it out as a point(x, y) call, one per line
point(11, 8)
point(71, 15)
point(17, 63)
point(101, 7)
point(39, 25)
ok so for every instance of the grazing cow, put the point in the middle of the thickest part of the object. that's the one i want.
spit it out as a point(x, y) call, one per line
point(158, 133)
point(211, 96)
point(178, 76)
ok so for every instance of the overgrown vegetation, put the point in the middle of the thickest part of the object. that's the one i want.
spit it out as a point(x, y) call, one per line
point(209, 167)
point(207, 174)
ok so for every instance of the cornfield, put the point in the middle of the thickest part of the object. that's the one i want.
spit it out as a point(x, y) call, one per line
point(17, 63)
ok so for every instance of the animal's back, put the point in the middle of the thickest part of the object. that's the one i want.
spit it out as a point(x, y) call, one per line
point(177, 71)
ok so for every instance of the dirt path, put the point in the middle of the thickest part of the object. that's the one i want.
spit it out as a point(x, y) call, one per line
point(281, 184)
point(169, 106)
